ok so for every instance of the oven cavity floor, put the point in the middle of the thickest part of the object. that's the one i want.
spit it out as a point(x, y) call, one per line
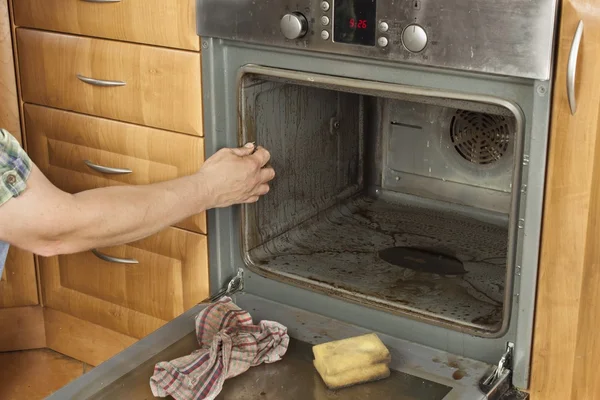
point(338, 252)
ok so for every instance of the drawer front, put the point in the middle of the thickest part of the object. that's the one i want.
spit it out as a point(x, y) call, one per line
point(169, 23)
point(171, 276)
point(73, 150)
point(158, 87)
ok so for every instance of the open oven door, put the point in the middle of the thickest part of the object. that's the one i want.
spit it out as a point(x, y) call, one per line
point(418, 372)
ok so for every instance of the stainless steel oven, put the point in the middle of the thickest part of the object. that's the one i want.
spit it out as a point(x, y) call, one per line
point(409, 139)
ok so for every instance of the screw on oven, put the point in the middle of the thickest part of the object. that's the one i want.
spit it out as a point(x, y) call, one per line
point(334, 125)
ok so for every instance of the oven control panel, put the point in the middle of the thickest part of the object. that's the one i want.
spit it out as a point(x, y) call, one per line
point(504, 37)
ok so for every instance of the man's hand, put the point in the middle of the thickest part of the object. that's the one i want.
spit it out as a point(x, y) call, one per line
point(235, 176)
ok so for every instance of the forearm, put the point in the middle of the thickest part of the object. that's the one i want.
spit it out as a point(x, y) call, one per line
point(48, 221)
point(122, 214)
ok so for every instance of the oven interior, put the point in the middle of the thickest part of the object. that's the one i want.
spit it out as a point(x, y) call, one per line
point(397, 201)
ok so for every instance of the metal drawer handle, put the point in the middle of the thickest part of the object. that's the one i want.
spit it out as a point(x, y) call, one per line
point(115, 260)
point(102, 1)
point(572, 67)
point(98, 82)
point(107, 170)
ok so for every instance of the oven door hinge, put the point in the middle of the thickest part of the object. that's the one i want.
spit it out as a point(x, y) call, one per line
point(236, 284)
point(497, 384)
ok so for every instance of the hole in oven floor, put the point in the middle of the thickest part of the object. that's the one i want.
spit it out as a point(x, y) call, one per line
point(337, 251)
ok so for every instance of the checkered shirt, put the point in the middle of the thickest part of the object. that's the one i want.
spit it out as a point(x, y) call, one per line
point(15, 167)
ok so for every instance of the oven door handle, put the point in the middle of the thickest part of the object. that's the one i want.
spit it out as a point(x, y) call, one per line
point(572, 67)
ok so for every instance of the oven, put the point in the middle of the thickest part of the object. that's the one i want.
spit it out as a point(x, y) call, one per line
point(409, 141)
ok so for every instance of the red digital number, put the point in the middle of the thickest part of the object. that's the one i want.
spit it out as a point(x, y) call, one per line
point(360, 24)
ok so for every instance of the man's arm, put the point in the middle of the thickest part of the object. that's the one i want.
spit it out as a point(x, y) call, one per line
point(48, 221)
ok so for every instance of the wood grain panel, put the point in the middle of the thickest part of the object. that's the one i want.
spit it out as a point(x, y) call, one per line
point(60, 141)
point(133, 299)
point(165, 23)
point(18, 281)
point(82, 340)
point(586, 384)
point(9, 103)
point(22, 328)
point(162, 86)
point(18, 286)
point(568, 266)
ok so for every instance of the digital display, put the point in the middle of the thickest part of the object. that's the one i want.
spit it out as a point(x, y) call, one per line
point(354, 21)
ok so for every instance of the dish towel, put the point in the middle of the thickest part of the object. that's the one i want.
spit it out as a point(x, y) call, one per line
point(229, 345)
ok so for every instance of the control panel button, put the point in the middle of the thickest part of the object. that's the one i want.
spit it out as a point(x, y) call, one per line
point(383, 27)
point(294, 25)
point(324, 35)
point(382, 41)
point(324, 20)
point(414, 38)
point(325, 6)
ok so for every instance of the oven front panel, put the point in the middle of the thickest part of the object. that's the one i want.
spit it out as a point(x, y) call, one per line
point(222, 63)
point(505, 37)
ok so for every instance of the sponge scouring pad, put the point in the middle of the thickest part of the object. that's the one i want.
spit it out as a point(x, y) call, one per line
point(348, 362)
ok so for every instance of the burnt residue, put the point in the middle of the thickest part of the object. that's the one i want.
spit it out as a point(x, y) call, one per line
point(422, 260)
point(338, 252)
point(459, 369)
point(458, 375)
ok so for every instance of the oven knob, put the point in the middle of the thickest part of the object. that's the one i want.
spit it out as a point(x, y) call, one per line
point(414, 38)
point(294, 25)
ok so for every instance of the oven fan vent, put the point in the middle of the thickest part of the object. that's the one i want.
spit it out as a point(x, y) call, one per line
point(480, 138)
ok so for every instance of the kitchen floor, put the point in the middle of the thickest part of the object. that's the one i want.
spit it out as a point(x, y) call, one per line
point(35, 374)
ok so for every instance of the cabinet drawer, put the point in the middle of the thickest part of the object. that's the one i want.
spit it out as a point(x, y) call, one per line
point(170, 277)
point(164, 23)
point(61, 142)
point(159, 87)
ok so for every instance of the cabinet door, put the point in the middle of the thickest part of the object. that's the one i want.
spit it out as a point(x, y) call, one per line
point(72, 149)
point(141, 21)
point(566, 346)
point(20, 319)
point(96, 302)
point(155, 86)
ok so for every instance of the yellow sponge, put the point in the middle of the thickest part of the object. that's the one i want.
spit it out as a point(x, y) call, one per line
point(347, 362)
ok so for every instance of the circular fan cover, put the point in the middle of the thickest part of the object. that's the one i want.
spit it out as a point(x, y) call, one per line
point(480, 138)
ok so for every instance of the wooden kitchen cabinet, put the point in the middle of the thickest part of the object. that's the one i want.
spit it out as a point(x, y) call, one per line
point(131, 300)
point(163, 23)
point(62, 142)
point(94, 306)
point(158, 87)
point(566, 344)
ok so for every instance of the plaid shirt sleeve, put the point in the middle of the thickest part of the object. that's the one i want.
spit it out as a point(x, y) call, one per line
point(15, 167)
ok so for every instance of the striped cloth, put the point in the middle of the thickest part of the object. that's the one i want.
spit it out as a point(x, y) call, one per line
point(229, 345)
